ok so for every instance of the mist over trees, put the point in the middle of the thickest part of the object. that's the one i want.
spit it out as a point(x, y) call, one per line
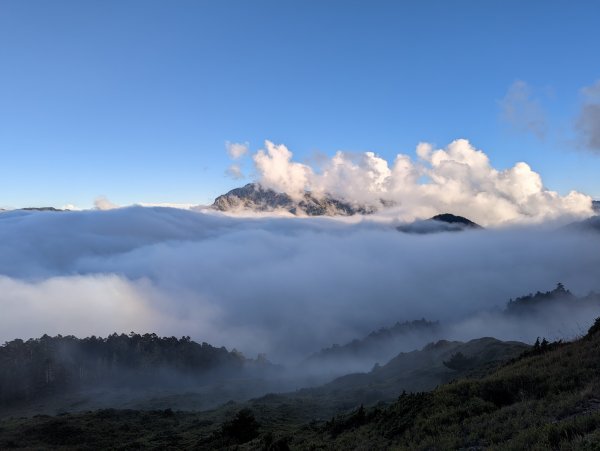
point(539, 302)
point(53, 365)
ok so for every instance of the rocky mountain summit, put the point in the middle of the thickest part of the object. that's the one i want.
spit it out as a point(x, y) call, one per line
point(257, 198)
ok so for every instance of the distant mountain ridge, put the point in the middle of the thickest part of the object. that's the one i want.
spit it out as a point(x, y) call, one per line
point(425, 368)
point(254, 197)
point(378, 346)
point(445, 222)
point(37, 209)
point(43, 209)
point(453, 219)
point(542, 301)
point(383, 344)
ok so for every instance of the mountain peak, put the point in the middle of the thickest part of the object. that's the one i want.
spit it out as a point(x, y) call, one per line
point(453, 219)
point(255, 197)
point(444, 222)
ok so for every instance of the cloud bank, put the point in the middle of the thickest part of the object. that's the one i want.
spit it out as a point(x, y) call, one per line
point(284, 286)
point(458, 179)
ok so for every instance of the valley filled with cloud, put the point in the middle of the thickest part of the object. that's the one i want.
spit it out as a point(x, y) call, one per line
point(284, 286)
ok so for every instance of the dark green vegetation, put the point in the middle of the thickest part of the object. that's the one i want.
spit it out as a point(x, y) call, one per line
point(37, 371)
point(481, 394)
point(420, 370)
point(381, 345)
point(548, 398)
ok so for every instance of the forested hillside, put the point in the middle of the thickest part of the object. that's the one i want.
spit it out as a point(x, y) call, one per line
point(548, 398)
point(53, 365)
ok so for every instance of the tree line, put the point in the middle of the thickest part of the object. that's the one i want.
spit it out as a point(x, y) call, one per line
point(50, 365)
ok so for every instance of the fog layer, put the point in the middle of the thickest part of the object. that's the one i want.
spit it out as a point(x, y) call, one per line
point(284, 286)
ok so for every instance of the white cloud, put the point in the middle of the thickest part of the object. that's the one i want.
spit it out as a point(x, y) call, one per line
point(71, 207)
point(279, 172)
point(81, 305)
point(168, 205)
point(457, 179)
point(284, 286)
point(236, 150)
point(102, 203)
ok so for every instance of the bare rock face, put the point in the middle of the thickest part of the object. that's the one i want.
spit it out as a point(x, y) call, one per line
point(256, 198)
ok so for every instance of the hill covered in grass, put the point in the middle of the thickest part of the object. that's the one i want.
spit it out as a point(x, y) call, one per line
point(419, 370)
point(549, 398)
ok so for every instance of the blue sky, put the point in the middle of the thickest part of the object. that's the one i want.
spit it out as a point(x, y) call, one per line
point(134, 100)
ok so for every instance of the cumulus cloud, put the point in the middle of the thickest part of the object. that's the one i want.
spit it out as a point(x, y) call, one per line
point(236, 150)
point(279, 172)
point(284, 286)
point(521, 110)
point(588, 122)
point(458, 179)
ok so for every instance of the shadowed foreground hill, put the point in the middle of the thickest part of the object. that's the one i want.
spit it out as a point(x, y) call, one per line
point(420, 370)
point(549, 398)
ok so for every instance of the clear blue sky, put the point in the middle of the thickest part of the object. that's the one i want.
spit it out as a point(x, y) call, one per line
point(134, 100)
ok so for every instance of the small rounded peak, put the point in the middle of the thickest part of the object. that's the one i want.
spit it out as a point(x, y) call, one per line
point(453, 219)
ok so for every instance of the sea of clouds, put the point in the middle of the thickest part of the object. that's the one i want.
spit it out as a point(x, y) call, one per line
point(288, 286)
point(284, 286)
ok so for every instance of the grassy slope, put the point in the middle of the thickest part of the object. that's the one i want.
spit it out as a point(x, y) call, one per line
point(546, 401)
